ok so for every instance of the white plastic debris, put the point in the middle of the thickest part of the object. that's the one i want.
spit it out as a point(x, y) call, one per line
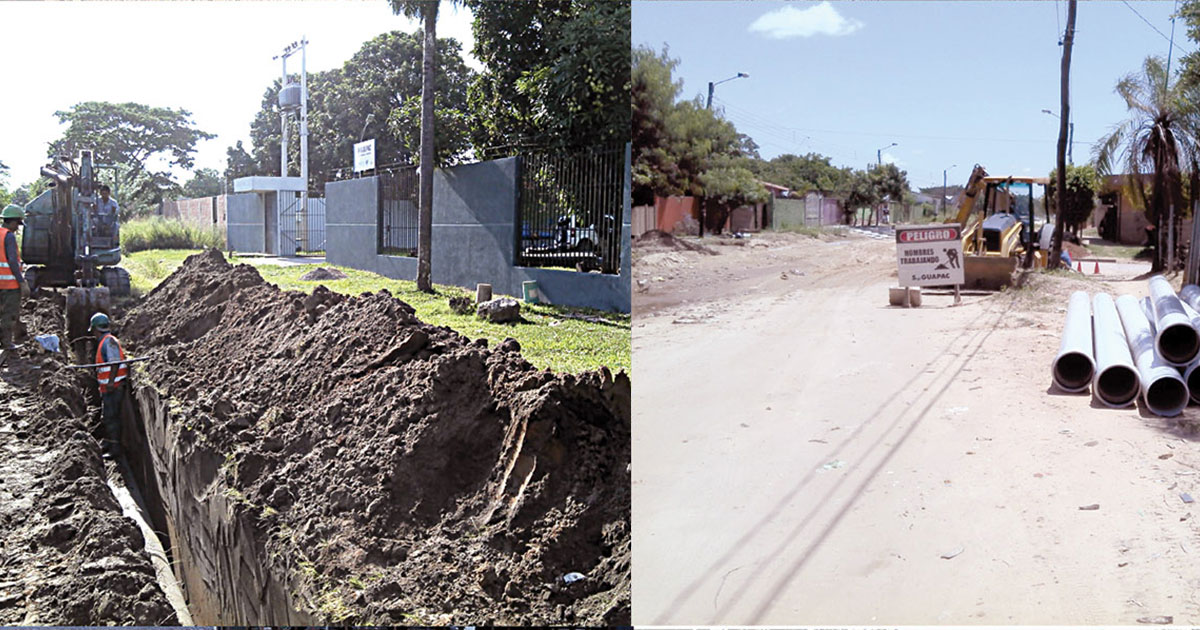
point(49, 342)
point(572, 577)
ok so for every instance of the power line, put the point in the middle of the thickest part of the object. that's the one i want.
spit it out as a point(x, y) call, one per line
point(1146, 21)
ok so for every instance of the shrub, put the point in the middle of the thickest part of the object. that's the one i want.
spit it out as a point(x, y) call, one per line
point(158, 233)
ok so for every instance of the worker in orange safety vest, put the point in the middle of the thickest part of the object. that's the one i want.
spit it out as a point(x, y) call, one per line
point(13, 287)
point(112, 381)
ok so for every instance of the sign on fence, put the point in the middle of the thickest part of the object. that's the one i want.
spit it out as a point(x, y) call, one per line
point(364, 156)
point(929, 255)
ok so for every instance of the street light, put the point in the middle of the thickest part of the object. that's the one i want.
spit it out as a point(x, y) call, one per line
point(1070, 135)
point(740, 75)
point(370, 117)
point(944, 189)
point(879, 153)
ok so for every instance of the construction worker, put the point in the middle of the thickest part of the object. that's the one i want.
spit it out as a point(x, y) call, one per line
point(107, 205)
point(13, 287)
point(112, 382)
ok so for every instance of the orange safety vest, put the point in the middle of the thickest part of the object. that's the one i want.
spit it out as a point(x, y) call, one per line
point(108, 382)
point(7, 280)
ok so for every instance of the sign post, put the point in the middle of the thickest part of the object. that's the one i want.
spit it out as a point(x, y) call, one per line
point(364, 156)
point(929, 255)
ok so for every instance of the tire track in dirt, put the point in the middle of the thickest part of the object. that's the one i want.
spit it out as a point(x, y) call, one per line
point(931, 386)
point(812, 311)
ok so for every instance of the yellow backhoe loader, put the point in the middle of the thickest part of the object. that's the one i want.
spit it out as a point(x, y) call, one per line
point(998, 231)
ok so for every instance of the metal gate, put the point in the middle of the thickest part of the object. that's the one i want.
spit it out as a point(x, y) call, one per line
point(301, 230)
point(570, 209)
point(398, 211)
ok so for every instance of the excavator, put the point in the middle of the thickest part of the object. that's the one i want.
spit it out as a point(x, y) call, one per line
point(998, 230)
point(70, 243)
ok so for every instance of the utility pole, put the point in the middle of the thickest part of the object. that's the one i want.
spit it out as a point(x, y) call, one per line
point(1061, 179)
point(944, 189)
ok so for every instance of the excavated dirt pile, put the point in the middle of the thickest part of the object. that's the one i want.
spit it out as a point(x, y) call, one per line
point(69, 556)
point(411, 474)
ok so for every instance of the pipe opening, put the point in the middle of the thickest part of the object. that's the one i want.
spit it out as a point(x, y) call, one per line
point(1179, 343)
point(1167, 396)
point(1073, 371)
point(1118, 385)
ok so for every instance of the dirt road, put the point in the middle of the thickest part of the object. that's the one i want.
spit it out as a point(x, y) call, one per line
point(805, 454)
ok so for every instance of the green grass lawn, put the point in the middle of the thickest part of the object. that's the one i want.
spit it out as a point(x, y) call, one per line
point(1128, 252)
point(560, 338)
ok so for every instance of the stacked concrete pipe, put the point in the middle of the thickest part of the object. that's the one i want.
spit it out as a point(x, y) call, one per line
point(1175, 339)
point(1074, 366)
point(1116, 383)
point(1163, 389)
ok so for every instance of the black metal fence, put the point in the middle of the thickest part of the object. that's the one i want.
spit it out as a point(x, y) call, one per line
point(301, 230)
point(398, 211)
point(570, 208)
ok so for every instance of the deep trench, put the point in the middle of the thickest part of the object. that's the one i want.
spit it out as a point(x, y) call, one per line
point(216, 561)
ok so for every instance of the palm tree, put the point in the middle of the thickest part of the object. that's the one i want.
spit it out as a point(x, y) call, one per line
point(427, 10)
point(1158, 136)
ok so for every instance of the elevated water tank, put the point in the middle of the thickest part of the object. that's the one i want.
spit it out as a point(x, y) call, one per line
point(289, 96)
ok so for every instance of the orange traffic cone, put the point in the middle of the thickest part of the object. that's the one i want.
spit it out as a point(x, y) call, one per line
point(1079, 266)
point(1097, 269)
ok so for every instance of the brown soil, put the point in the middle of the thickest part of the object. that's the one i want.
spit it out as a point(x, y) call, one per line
point(323, 273)
point(69, 556)
point(425, 477)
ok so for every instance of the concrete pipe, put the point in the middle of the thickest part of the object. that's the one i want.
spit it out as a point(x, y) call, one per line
point(1074, 366)
point(1175, 339)
point(1163, 389)
point(1116, 383)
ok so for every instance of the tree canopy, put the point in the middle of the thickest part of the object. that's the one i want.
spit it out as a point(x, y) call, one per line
point(1157, 139)
point(132, 137)
point(205, 182)
point(556, 76)
point(804, 173)
point(1082, 184)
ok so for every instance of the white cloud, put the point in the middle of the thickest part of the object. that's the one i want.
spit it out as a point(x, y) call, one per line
point(888, 158)
point(821, 19)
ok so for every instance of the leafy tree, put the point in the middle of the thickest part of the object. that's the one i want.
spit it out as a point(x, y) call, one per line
point(862, 192)
point(726, 186)
point(805, 173)
point(1082, 184)
point(205, 182)
point(131, 136)
point(556, 74)
point(1158, 136)
point(653, 96)
point(239, 163)
point(5, 196)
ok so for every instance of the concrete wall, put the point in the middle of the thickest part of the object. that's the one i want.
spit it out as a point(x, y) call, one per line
point(245, 224)
point(474, 237)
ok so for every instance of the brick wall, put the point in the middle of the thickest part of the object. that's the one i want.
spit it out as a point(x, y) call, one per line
point(197, 212)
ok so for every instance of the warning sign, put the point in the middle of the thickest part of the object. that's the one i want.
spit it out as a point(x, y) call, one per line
point(929, 255)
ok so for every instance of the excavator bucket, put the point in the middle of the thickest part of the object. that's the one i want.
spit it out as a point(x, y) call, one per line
point(82, 303)
point(990, 273)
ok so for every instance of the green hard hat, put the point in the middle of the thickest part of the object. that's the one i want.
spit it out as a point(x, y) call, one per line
point(99, 322)
point(13, 211)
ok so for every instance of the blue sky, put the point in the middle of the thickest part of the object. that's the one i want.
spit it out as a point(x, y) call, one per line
point(952, 83)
